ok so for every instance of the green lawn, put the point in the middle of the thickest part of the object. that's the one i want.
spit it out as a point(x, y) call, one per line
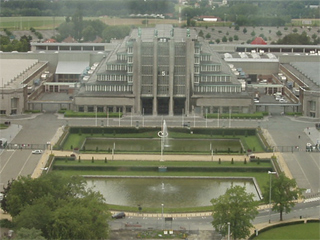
point(309, 231)
point(76, 140)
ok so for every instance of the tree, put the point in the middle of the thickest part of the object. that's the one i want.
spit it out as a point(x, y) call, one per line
point(24, 233)
point(284, 192)
point(200, 34)
point(77, 20)
point(279, 33)
point(224, 39)
point(3, 202)
point(57, 205)
point(238, 208)
point(244, 30)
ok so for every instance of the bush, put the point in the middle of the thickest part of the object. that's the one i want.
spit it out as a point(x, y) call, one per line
point(5, 223)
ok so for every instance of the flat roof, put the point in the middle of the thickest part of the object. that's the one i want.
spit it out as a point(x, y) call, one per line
point(66, 67)
point(11, 69)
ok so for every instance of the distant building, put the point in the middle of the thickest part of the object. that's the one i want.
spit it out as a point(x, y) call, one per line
point(258, 41)
point(209, 18)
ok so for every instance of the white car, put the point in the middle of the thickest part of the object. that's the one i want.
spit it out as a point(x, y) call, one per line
point(37, 152)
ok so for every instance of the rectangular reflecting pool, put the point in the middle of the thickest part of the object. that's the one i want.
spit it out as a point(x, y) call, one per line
point(173, 192)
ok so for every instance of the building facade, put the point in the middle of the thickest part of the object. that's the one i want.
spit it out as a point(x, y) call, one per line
point(163, 71)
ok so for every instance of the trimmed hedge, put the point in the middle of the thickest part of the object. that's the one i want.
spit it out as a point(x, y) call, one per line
point(257, 115)
point(70, 113)
point(293, 113)
point(155, 169)
point(110, 130)
point(128, 130)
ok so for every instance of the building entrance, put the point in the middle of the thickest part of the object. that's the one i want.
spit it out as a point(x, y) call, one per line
point(163, 106)
point(146, 106)
point(179, 106)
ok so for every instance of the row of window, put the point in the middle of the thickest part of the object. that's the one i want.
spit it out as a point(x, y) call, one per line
point(204, 78)
point(112, 88)
point(233, 109)
point(113, 77)
point(116, 67)
point(210, 68)
point(206, 58)
point(163, 90)
point(122, 57)
point(218, 89)
point(103, 109)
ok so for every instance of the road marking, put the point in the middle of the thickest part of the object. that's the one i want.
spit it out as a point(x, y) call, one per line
point(6, 163)
point(24, 164)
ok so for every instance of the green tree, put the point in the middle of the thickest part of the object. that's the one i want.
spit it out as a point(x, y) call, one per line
point(88, 33)
point(117, 32)
point(77, 20)
point(224, 39)
point(244, 30)
point(208, 35)
point(52, 204)
point(24, 233)
point(279, 33)
point(200, 33)
point(284, 192)
point(238, 208)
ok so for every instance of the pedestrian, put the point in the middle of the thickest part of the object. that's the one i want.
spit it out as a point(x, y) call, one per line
point(299, 137)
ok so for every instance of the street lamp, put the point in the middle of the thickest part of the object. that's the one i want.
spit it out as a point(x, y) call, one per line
point(228, 230)
point(162, 214)
point(270, 173)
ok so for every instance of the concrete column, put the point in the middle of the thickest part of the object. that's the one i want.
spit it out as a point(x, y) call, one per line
point(171, 73)
point(124, 110)
point(137, 75)
point(155, 77)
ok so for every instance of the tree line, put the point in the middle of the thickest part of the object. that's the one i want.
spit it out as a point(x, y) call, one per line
point(89, 8)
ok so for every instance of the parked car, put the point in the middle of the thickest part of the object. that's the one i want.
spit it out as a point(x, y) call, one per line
point(119, 215)
point(37, 152)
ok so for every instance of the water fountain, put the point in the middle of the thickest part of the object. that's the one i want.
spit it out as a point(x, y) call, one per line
point(163, 134)
point(173, 192)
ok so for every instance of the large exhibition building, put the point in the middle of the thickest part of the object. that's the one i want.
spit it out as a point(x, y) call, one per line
point(164, 71)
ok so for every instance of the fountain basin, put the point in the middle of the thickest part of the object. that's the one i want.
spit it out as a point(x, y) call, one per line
point(174, 192)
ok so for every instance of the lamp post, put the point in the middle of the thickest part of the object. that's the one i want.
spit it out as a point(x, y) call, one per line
point(270, 173)
point(162, 205)
point(228, 230)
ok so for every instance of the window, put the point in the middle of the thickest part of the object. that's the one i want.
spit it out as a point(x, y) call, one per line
point(81, 109)
point(90, 109)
